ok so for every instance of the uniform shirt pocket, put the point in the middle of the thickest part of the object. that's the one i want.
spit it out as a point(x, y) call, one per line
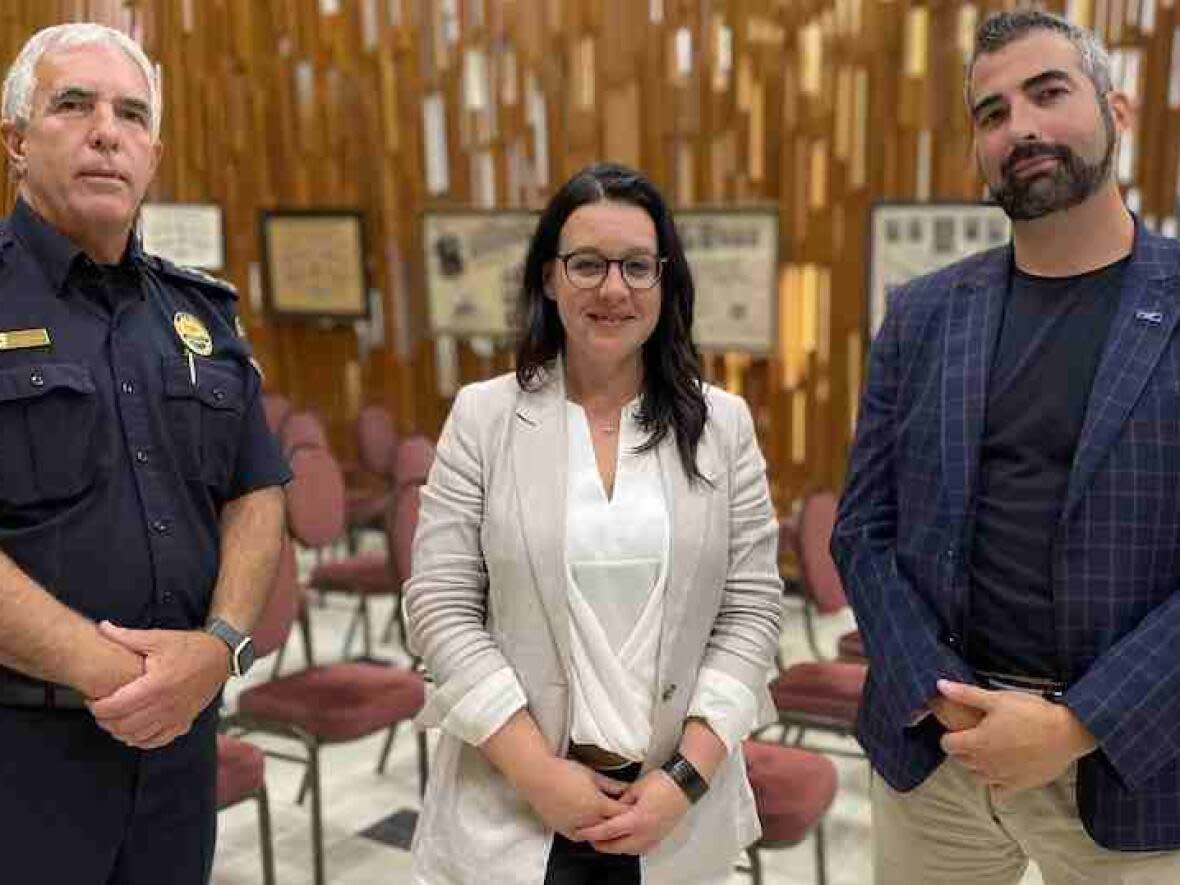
point(48, 433)
point(205, 417)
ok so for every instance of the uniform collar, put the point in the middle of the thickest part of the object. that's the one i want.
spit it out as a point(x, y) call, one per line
point(56, 253)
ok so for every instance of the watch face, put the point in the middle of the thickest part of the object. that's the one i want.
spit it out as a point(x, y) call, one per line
point(244, 657)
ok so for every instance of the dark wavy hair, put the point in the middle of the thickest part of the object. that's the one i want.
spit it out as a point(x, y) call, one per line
point(673, 396)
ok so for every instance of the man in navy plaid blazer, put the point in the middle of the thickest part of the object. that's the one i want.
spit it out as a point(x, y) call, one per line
point(1010, 533)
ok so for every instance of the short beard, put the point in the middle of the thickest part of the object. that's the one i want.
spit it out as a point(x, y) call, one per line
point(1065, 186)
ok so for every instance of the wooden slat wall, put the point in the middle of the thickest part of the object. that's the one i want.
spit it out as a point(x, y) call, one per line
point(820, 106)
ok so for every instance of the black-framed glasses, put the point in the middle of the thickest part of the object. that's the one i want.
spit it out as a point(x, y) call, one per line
point(588, 269)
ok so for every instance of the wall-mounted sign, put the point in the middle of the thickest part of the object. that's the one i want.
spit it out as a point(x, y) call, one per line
point(188, 234)
point(907, 240)
point(313, 263)
point(734, 258)
point(474, 264)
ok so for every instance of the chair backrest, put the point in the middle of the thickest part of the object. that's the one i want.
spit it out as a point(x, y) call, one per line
point(282, 607)
point(376, 440)
point(302, 429)
point(401, 532)
point(415, 455)
point(401, 522)
point(276, 407)
point(315, 497)
point(820, 578)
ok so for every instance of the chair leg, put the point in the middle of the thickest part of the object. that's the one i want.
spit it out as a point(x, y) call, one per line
point(809, 628)
point(304, 785)
point(317, 821)
point(755, 864)
point(278, 664)
point(423, 763)
point(821, 866)
point(366, 629)
point(387, 633)
point(264, 830)
point(352, 625)
point(305, 632)
point(386, 747)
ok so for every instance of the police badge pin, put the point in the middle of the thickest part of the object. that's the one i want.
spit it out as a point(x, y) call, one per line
point(192, 333)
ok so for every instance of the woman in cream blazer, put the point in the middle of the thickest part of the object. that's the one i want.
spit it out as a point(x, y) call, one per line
point(487, 600)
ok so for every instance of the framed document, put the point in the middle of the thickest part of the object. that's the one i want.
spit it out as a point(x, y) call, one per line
point(313, 263)
point(189, 234)
point(734, 257)
point(474, 264)
point(907, 240)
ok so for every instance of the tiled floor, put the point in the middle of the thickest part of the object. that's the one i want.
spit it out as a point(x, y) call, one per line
point(356, 798)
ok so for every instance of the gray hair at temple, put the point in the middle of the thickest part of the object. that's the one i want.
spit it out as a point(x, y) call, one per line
point(16, 104)
point(1002, 28)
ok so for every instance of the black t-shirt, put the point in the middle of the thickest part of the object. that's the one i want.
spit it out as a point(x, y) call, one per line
point(1049, 346)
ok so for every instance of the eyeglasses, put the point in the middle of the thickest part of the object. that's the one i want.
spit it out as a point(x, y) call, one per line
point(587, 269)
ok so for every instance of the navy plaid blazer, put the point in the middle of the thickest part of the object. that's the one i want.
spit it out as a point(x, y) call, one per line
point(905, 520)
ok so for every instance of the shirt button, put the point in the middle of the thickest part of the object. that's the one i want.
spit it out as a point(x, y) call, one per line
point(218, 394)
point(166, 596)
point(669, 690)
point(141, 456)
point(160, 526)
point(37, 379)
point(128, 387)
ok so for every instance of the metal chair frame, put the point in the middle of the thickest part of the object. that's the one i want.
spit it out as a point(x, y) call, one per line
point(266, 838)
point(243, 723)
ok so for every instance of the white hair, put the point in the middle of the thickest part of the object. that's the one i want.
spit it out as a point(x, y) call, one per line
point(16, 103)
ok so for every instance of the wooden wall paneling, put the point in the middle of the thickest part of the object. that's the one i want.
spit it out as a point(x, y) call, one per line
point(1158, 139)
point(952, 172)
point(819, 106)
point(415, 374)
point(1164, 187)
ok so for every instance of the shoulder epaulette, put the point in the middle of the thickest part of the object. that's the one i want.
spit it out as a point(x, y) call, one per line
point(208, 282)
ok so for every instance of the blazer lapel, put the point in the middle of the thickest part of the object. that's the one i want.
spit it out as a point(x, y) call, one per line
point(539, 455)
point(688, 512)
point(1142, 326)
point(973, 323)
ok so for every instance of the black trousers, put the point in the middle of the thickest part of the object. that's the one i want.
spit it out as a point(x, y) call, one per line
point(79, 808)
point(577, 863)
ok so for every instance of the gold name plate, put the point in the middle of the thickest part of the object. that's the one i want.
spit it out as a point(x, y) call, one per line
point(19, 339)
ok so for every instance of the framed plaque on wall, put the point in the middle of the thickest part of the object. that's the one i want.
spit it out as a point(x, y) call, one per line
point(313, 263)
point(474, 264)
point(734, 258)
point(189, 234)
point(907, 240)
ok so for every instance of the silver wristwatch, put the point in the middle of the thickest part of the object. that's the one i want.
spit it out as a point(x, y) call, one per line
point(241, 646)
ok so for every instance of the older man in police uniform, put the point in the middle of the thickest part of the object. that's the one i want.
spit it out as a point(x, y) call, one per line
point(140, 508)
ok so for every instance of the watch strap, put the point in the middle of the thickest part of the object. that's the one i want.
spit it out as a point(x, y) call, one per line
point(239, 644)
point(686, 776)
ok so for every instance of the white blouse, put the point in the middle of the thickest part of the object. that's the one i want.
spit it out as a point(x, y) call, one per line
point(616, 554)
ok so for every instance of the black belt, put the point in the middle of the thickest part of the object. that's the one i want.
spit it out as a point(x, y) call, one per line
point(1049, 689)
point(40, 696)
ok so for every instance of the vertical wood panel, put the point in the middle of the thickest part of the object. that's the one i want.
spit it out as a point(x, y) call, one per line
point(820, 107)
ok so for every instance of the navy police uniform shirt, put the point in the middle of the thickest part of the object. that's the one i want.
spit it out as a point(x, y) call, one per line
point(129, 415)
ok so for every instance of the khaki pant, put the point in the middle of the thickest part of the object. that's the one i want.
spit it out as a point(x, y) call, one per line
point(949, 831)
